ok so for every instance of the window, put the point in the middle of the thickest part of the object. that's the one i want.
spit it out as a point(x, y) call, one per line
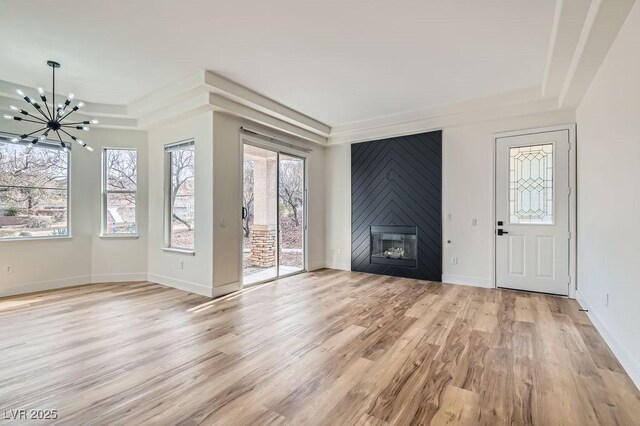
point(34, 190)
point(531, 184)
point(180, 195)
point(119, 191)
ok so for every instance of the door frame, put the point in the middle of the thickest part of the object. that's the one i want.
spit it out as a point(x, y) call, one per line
point(258, 142)
point(571, 129)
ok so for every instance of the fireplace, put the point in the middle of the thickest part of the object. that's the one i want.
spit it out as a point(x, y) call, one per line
point(394, 245)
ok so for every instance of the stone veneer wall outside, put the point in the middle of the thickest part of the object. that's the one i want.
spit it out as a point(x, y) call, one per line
point(263, 246)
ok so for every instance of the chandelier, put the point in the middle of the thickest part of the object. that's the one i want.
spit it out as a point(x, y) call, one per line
point(53, 119)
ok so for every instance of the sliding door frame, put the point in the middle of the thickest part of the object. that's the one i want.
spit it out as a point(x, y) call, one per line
point(258, 142)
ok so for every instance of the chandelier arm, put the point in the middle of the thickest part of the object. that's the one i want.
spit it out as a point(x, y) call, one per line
point(40, 111)
point(60, 137)
point(65, 116)
point(66, 133)
point(33, 121)
point(29, 134)
point(40, 120)
point(48, 110)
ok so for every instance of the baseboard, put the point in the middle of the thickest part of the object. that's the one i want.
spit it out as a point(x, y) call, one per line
point(45, 285)
point(119, 278)
point(465, 280)
point(339, 265)
point(181, 285)
point(314, 266)
point(226, 289)
point(624, 357)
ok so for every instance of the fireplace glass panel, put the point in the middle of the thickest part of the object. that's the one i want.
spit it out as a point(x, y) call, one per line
point(394, 245)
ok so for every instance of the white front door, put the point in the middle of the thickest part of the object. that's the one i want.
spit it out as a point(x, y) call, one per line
point(532, 212)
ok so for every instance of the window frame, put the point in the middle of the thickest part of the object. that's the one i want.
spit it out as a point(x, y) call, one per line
point(106, 192)
point(168, 207)
point(5, 138)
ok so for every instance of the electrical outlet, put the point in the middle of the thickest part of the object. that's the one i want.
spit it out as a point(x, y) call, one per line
point(448, 216)
point(606, 300)
point(8, 269)
point(181, 264)
point(454, 260)
point(474, 222)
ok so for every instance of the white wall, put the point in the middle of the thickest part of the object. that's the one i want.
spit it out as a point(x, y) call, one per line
point(467, 194)
point(83, 258)
point(609, 197)
point(196, 275)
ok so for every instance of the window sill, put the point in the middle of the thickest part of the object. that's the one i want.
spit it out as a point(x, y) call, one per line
point(119, 236)
point(66, 237)
point(179, 251)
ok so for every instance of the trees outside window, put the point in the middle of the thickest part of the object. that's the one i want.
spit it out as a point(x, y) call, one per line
point(181, 195)
point(34, 188)
point(120, 186)
point(292, 187)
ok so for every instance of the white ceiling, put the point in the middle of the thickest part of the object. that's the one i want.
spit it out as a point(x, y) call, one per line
point(338, 61)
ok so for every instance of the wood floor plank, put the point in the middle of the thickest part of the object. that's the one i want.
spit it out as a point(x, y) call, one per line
point(327, 347)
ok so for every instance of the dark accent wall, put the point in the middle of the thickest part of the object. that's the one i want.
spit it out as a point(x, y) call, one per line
point(398, 181)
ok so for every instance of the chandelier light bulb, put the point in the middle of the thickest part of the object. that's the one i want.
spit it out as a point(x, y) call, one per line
point(89, 148)
point(94, 121)
point(20, 92)
point(80, 104)
point(43, 137)
point(14, 140)
point(7, 117)
point(41, 91)
point(14, 108)
point(80, 141)
point(71, 96)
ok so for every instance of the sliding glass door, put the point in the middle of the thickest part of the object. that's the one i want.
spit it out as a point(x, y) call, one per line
point(273, 214)
point(291, 214)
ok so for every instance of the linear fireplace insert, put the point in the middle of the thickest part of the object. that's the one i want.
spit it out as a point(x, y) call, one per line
point(394, 245)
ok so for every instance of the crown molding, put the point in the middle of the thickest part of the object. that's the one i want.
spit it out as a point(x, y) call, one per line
point(567, 27)
point(110, 116)
point(241, 95)
point(601, 26)
point(226, 105)
point(202, 82)
point(513, 104)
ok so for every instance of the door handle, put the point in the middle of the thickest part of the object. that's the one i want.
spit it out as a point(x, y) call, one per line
point(501, 232)
point(244, 212)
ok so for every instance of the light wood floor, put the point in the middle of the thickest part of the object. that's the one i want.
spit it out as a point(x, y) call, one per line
point(329, 347)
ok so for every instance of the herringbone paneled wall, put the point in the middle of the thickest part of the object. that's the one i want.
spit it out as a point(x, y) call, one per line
point(398, 181)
